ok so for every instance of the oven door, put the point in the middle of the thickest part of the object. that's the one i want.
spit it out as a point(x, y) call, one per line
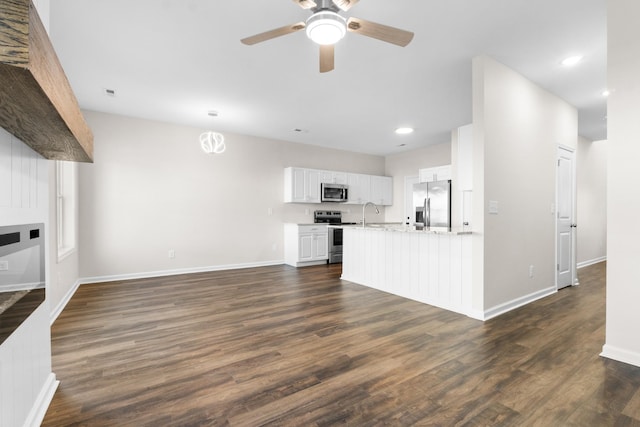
point(335, 245)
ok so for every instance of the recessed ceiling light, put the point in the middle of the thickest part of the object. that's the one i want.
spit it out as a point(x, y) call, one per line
point(606, 93)
point(571, 61)
point(212, 113)
point(404, 131)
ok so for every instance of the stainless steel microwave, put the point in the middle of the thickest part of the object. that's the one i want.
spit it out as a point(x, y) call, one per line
point(334, 192)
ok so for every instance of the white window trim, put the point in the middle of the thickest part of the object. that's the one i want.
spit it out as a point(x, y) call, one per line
point(65, 209)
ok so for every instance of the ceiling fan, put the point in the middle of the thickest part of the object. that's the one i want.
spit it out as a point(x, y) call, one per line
point(326, 27)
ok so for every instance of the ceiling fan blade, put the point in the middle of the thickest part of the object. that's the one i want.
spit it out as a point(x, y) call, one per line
point(345, 4)
point(381, 32)
point(326, 58)
point(305, 4)
point(268, 35)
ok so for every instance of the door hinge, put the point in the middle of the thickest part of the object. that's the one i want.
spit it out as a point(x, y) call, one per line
point(558, 267)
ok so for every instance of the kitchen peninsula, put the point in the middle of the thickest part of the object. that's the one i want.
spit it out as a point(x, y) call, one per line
point(432, 266)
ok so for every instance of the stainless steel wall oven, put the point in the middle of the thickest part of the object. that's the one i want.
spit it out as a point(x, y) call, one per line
point(22, 274)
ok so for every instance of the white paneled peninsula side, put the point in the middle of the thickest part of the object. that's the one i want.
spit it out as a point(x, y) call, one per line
point(429, 266)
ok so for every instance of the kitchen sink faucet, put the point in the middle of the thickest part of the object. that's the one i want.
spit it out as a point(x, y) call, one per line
point(364, 207)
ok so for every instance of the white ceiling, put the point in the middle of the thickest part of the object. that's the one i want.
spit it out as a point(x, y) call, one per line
point(174, 60)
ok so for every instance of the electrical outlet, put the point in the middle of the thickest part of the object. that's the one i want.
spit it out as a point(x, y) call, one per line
point(172, 253)
point(4, 265)
point(531, 271)
point(270, 211)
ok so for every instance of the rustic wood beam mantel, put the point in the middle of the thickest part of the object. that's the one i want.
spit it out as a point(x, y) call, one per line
point(37, 104)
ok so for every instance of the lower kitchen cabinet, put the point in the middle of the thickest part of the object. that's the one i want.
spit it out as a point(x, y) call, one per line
point(305, 244)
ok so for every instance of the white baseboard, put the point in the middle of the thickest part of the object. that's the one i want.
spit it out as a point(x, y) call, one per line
point(517, 303)
point(620, 355)
point(63, 303)
point(39, 408)
point(149, 274)
point(591, 262)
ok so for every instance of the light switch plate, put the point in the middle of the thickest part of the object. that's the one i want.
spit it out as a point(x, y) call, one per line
point(4, 265)
point(493, 207)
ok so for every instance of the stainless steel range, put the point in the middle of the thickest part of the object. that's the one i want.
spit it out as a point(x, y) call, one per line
point(333, 218)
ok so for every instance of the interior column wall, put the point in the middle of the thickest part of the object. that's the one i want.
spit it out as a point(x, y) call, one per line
point(519, 126)
point(623, 204)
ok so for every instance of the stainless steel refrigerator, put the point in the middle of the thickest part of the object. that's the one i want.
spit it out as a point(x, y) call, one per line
point(432, 204)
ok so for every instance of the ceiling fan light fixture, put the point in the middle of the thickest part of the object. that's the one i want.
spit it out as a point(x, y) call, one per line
point(326, 27)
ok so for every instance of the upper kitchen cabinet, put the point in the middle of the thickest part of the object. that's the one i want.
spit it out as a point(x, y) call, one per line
point(332, 177)
point(438, 173)
point(382, 190)
point(359, 188)
point(301, 185)
point(37, 103)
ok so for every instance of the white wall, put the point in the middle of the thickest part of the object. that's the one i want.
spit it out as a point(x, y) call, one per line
point(25, 357)
point(623, 198)
point(517, 129)
point(408, 163)
point(591, 180)
point(152, 189)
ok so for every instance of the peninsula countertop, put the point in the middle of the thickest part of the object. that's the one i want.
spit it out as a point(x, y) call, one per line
point(402, 228)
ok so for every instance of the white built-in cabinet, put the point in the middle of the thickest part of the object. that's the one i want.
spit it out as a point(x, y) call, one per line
point(381, 190)
point(437, 173)
point(306, 244)
point(359, 188)
point(302, 185)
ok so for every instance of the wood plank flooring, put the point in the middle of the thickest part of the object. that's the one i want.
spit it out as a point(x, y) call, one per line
point(300, 347)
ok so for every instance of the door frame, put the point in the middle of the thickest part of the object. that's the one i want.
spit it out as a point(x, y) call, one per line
point(574, 274)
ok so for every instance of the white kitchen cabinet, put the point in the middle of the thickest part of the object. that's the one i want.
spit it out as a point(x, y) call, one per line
point(382, 190)
point(306, 244)
point(301, 185)
point(438, 173)
point(359, 188)
point(333, 177)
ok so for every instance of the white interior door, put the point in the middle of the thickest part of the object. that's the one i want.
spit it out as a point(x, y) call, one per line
point(565, 223)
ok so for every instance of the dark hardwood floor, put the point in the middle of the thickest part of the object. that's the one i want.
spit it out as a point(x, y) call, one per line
point(300, 347)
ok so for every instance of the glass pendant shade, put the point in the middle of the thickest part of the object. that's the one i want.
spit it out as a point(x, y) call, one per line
point(326, 28)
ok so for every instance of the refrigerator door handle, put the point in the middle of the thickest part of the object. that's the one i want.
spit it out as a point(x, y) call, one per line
point(428, 211)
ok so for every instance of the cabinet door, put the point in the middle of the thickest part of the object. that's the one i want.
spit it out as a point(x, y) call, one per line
point(312, 185)
point(326, 177)
point(321, 246)
point(340, 178)
point(443, 173)
point(296, 186)
point(359, 188)
point(306, 247)
point(382, 190)
point(427, 175)
point(387, 191)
